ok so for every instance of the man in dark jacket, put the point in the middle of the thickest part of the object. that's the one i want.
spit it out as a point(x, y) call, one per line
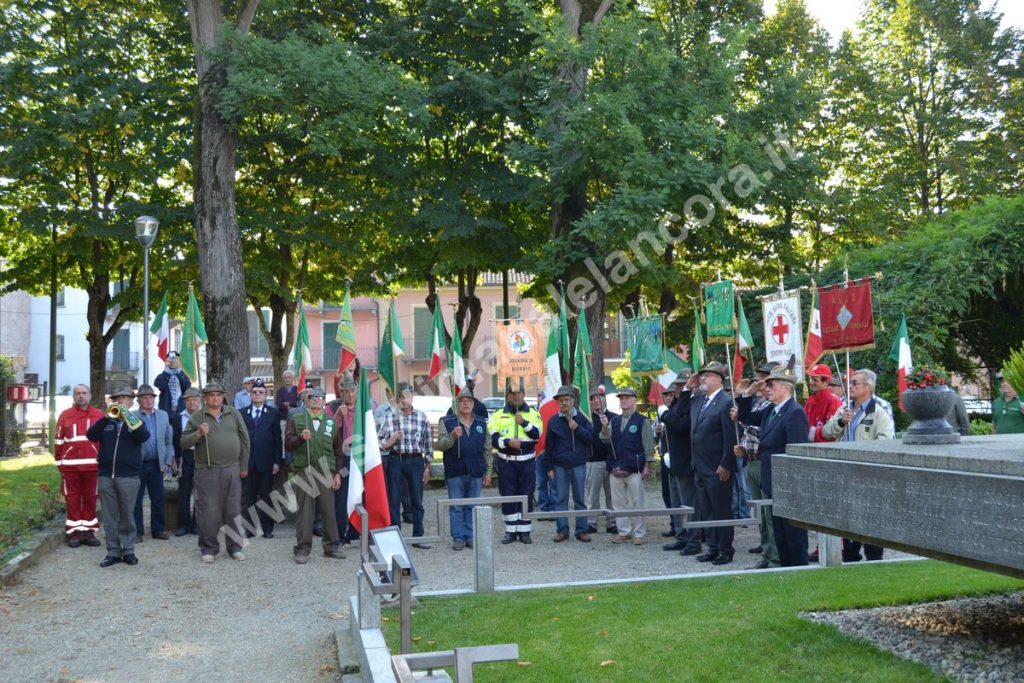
point(120, 461)
point(598, 477)
point(677, 432)
point(713, 439)
point(466, 445)
point(783, 424)
point(265, 455)
point(566, 452)
point(172, 384)
point(185, 462)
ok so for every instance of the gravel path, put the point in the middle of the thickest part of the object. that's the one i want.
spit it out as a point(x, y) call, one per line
point(172, 618)
point(969, 639)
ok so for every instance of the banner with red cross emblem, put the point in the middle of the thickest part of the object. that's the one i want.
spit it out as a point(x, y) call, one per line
point(847, 320)
point(783, 336)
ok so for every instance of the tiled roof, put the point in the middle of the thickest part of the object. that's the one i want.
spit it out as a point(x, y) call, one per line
point(515, 277)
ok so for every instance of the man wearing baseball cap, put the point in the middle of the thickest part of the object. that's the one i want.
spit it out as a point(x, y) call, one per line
point(822, 403)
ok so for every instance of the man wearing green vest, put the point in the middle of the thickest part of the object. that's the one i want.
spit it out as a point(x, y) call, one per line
point(315, 442)
point(1007, 410)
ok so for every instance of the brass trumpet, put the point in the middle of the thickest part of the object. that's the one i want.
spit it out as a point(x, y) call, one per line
point(116, 411)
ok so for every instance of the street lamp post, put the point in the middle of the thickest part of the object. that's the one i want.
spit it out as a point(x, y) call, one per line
point(145, 232)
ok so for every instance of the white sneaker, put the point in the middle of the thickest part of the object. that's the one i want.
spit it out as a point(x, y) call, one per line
point(208, 559)
point(237, 555)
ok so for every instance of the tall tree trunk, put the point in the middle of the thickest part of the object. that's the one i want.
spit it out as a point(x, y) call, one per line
point(216, 223)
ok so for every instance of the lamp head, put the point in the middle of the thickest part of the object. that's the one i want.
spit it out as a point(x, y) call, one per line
point(146, 228)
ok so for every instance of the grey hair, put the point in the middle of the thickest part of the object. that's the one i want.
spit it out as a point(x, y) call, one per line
point(287, 372)
point(869, 376)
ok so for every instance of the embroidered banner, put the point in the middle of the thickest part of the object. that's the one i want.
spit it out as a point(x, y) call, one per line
point(782, 329)
point(847, 319)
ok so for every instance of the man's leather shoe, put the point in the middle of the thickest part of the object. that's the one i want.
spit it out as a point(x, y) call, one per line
point(760, 564)
point(318, 531)
point(269, 534)
point(180, 531)
point(335, 554)
point(722, 559)
point(693, 550)
point(509, 538)
point(560, 537)
point(109, 560)
point(139, 538)
point(249, 534)
point(585, 538)
point(668, 534)
point(708, 556)
point(678, 545)
point(612, 529)
point(161, 536)
point(469, 544)
point(757, 551)
point(74, 541)
point(89, 538)
point(421, 546)
point(591, 529)
point(130, 560)
point(525, 538)
point(301, 559)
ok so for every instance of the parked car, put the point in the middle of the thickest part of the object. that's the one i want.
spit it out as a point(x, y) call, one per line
point(435, 407)
point(493, 403)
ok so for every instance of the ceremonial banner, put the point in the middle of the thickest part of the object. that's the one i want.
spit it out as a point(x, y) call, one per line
point(581, 368)
point(847, 320)
point(720, 312)
point(520, 350)
point(645, 340)
point(782, 329)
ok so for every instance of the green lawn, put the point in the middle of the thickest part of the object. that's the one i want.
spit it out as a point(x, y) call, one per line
point(742, 628)
point(29, 497)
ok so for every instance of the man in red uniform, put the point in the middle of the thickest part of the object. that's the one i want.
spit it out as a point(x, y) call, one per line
point(76, 459)
point(822, 403)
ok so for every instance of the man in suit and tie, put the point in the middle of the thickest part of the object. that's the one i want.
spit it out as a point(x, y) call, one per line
point(157, 454)
point(265, 456)
point(185, 458)
point(783, 424)
point(713, 438)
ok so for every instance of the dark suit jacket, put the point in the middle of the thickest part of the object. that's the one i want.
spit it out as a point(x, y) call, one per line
point(264, 439)
point(177, 428)
point(788, 427)
point(712, 435)
point(164, 401)
point(677, 432)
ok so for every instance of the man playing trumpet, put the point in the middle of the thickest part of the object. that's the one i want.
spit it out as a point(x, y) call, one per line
point(120, 434)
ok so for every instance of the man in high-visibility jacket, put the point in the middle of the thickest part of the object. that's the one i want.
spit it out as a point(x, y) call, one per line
point(76, 458)
point(514, 432)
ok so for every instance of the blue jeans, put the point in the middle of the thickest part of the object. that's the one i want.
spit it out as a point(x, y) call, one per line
point(740, 491)
point(151, 477)
point(576, 477)
point(545, 488)
point(461, 516)
point(398, 469)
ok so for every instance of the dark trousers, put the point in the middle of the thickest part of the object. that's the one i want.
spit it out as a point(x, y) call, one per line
point(666, 493)
point(687, 486)
point(341, 509)
point(407, 469)
point(851, 551)
point(151, 479)
point(516, 479)
point(791, 541)
point(186, 476)
point(258, 486)
point(714, 502)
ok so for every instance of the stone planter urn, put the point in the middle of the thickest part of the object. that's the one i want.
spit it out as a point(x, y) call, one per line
point(928, 409)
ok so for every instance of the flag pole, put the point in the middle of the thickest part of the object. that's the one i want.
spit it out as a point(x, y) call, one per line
point(842, 386)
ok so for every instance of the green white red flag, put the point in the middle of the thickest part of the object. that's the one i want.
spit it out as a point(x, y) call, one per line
point(366, 483)
point(392, 346)
point(303, 357)
point(437, 342)
point(814, 349)
point(901, 354)
point(455, 363)
point(161, 329)
point(697, 348)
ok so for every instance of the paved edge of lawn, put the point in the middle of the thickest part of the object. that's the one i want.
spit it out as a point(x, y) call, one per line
point(42, 543)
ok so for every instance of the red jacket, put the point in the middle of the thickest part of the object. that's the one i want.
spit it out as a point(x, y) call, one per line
point(74, 451)
point(819, 408)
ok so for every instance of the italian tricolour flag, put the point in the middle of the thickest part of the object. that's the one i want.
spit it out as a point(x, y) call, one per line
point(901, 354)
point(161, 329)
point(366, 476)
